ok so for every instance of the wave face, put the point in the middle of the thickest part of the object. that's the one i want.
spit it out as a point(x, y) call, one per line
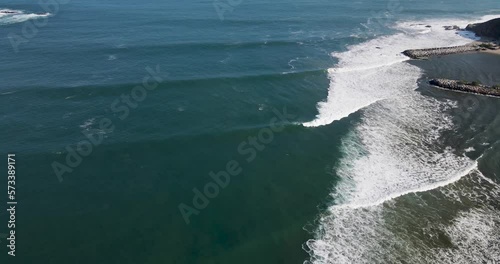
point(395, 153)
point(9, 16)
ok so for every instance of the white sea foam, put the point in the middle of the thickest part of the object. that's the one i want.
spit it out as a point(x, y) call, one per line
point(395, 233)
point(8, 16)
point(475, 237)
point(475, 232)
point(373, 70)
point(425, 188)
point(88, 124)
point(392, 152)
point(470, 149)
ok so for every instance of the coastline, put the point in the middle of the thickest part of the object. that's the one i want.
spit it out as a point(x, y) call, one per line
point(471, 86)
point(489, 43)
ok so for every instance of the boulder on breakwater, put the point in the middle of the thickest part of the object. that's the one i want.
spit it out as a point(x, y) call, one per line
point(468, 87)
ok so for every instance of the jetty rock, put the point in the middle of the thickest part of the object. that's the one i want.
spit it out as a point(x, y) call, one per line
point(467, 87)
point(426, 53)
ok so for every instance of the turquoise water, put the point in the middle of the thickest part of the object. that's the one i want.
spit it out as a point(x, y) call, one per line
point(380, 171)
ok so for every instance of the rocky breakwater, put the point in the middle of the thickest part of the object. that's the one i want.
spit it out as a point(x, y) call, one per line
point(489, 31)
point(468, 87)
point(426, 53)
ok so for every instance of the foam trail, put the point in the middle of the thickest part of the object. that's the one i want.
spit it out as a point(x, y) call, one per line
point(433, 186)
point(9, 16)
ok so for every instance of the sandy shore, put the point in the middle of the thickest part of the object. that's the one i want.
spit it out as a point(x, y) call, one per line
point(497, 52)
point(490, 51)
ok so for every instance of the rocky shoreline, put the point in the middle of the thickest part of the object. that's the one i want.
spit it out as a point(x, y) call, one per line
point(488, 29)
point(468, 87)
point(489, 32)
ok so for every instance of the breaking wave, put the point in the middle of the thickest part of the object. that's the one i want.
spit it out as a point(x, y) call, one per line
point(395, 154)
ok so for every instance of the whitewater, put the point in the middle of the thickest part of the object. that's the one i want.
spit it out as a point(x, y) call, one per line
point(9, 16)
point(396, 152)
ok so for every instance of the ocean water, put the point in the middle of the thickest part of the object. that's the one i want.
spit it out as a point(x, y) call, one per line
point(118, 110)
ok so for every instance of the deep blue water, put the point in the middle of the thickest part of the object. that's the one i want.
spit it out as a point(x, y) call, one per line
point(218, 82)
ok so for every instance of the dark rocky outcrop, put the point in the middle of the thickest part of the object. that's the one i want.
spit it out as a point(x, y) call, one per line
point(489, 29)
point(469, 87)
